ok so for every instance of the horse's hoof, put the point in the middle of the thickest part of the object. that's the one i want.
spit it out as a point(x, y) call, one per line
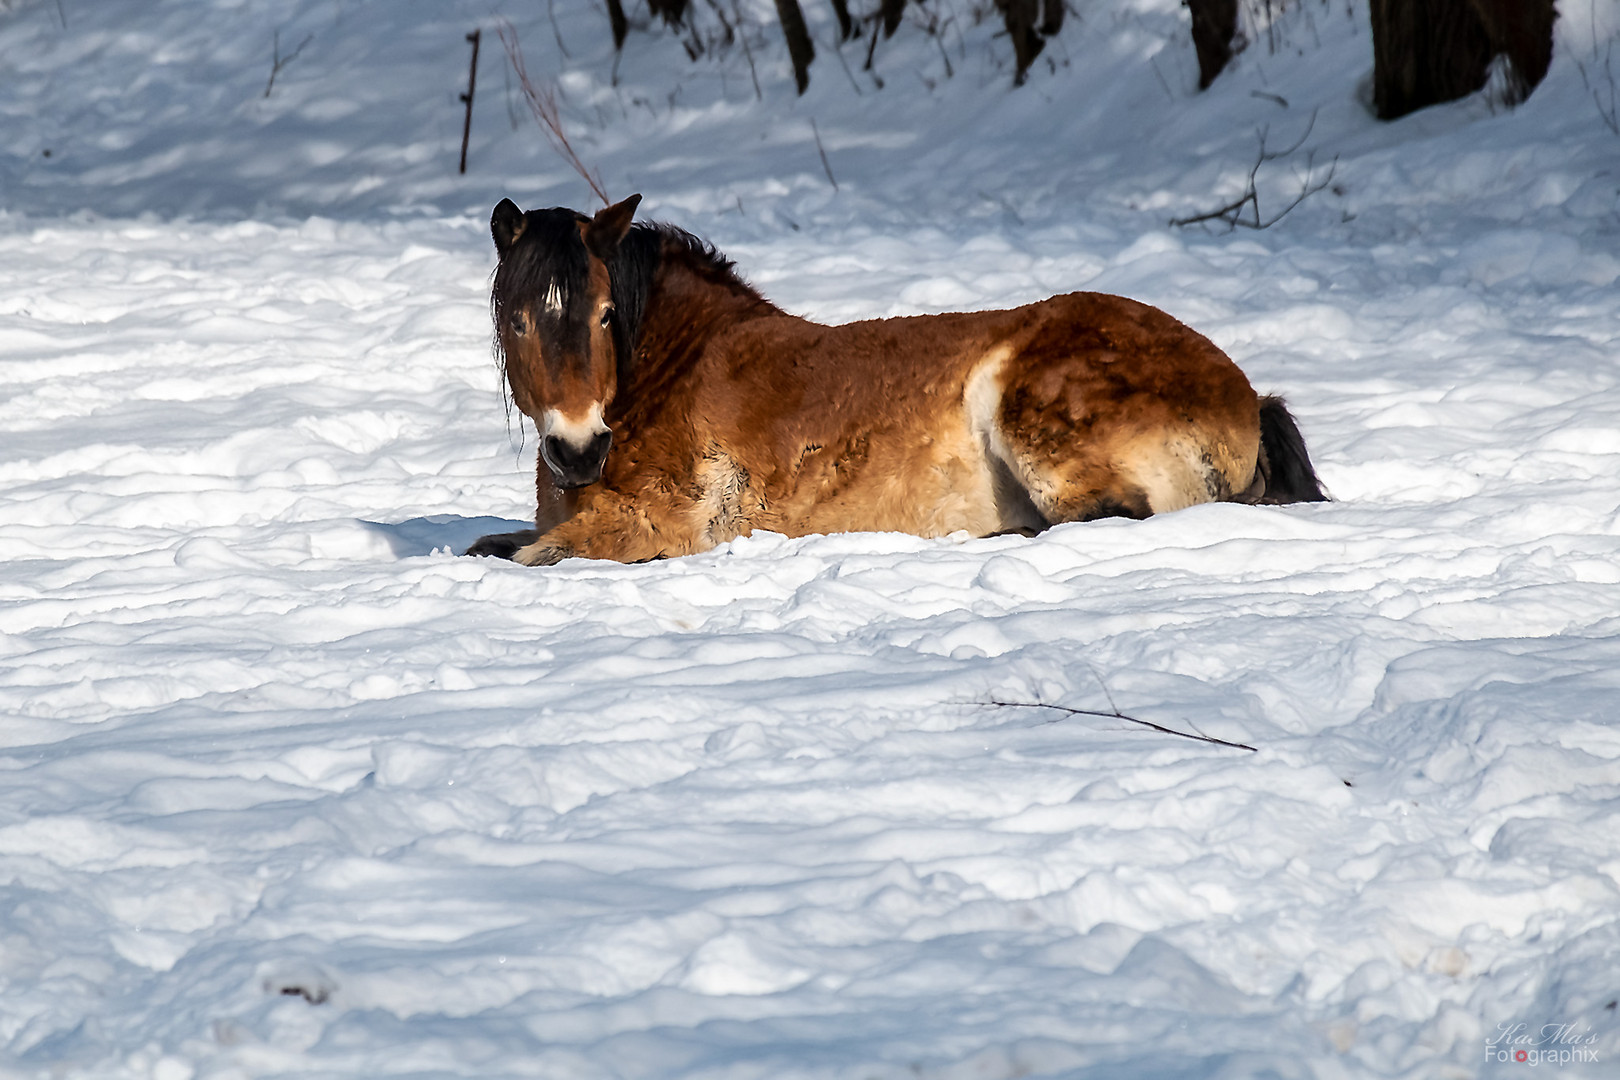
point(502, 545)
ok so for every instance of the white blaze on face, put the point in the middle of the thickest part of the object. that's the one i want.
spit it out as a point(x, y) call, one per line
point(575, 431)
point(554, 299)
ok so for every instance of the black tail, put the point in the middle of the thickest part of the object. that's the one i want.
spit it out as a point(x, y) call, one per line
point(1284, 465)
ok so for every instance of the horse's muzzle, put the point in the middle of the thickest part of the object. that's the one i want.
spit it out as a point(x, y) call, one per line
point(574, 466)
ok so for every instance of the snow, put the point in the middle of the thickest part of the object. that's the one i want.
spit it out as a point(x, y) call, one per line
point(291, 789)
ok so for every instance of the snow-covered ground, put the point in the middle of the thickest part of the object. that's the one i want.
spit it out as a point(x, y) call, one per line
point(289, 789)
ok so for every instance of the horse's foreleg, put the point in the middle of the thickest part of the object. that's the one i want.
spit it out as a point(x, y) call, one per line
point(608, 526)
point(503, 545)
point(553, 506)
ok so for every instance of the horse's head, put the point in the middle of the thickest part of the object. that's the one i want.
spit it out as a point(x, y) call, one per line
point(555, 327)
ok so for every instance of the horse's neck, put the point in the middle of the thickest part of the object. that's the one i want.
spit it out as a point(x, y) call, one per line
point(686, 308)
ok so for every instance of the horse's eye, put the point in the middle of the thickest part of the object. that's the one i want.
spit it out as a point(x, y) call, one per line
point(607, 317)
point(520, 323)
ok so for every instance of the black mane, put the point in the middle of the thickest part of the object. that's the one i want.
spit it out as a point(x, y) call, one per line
point(635, 266)
point(695, 251)
point(644, 250)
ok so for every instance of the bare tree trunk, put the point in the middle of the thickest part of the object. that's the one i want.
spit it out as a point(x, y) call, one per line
point(1425, 52)
point(846, 25)
point(1214, 23)
point(1020, 17)
point(1521, 30)
point(892, 10)
point(800, 48)
point(1429, 51)
point(1052, 17)
point(672, 11)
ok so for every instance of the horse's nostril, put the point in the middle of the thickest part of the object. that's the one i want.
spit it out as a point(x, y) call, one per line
point(576, 466)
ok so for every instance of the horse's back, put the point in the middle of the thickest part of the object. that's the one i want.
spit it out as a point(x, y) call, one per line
point(1079, 406)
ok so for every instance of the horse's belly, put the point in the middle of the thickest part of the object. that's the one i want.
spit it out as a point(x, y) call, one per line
point(941, 493)
point(932, 476)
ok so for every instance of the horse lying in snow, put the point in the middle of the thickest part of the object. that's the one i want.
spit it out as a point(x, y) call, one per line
point(678, 408)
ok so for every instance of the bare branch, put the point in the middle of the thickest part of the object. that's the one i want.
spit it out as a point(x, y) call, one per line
point(1233, 212)
point(472, 86)
point(1228, 213)
point(1117, 715)
point(826, 167)
point(1604, 94)
point(543, 103)
point(1310, 125)
point(752, 74)
point(551, 10)
point(801, 50)
point(277, 61)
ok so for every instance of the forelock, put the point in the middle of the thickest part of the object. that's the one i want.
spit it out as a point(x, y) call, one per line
point(547, 263)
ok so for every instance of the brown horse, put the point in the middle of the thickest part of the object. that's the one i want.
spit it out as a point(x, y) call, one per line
point(678, 408)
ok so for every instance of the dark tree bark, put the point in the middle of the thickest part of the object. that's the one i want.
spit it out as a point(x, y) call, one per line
point(1521, 30)
point(846, 25)
point(1214, 24)
point(892, 10)
point(1426, 52)
point(1020, 17)
point(1052, 17)
point(1028, 22)
point(800, 48)
point(1429, 51)
point(671, 11)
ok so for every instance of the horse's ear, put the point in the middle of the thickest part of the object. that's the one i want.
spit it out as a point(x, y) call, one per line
point(608, 227)
point(506, 225)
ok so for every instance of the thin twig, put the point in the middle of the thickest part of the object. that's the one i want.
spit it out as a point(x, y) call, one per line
point(551, 10)
point(472, 85)
point(825, 167)
point(1310, 125)
point(839, 52)
point(1232, 208)
point(1153, 62)
point(543, 103)
point(1306, 189)
point(1115, 714)
point(276, 60)
point(939, 39)
point(748, 54)
point(1232, 212)
point(1609, 113)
